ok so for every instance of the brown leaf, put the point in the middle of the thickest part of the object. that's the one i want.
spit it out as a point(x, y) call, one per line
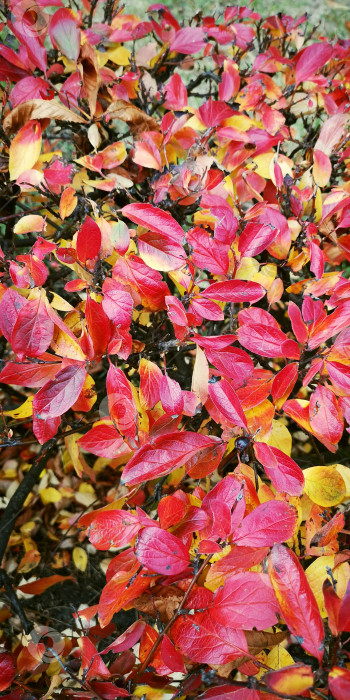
point(163, 600)
point(257, 641)
point(138, 120)
point(39, 109)
point(90, 73)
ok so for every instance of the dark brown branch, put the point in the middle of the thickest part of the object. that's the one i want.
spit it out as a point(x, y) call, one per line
point(14, 602)
point(17, 501)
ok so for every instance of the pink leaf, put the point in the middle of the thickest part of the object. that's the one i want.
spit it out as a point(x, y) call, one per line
point(235, 291)
point(273, 521)
point(285, 474)
point(226, 400)
point(162, 552)
point(60, 393)
point(311, 59)
point(154, 219)
point(246, 600)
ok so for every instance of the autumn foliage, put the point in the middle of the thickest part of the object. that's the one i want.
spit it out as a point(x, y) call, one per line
point(175, 330)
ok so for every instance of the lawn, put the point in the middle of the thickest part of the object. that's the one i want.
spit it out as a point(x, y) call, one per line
point(330, 15)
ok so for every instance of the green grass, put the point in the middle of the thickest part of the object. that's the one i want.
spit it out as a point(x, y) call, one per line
point(330, 15)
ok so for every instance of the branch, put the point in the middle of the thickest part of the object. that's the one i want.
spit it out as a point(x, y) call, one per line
point(16, 502)
point(176, 614)
point(14, 602)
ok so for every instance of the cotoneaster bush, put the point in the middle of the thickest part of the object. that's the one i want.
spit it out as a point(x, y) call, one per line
point(175, 309)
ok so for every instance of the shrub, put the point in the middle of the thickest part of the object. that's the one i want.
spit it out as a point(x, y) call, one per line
point(175, 324)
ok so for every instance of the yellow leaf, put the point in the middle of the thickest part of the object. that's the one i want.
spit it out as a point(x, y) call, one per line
point(23, 411)
point(280, 437)
point(59, 303)
point(259, 419)
point(279, 657)
point(324, 485)
point(319, 571)
point(261, 164)
point(25, 149)
point(345, 473)
point(50, 495)
point(64, 346)
point(248, 267)
point(119, 55)
point(30, 223)
point(241, 122)
point(80, 558)
point(265, 276)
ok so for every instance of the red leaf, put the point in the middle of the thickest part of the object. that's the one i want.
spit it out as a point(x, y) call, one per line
point(267, 342)
point(99, 325)
point(150, 378)
point(332, 604)
point(330, 325)
point(231, 362)
point(339, 375)
point(283, 384)
point(60, 393)
point(246, 600)
point(325, 415)
point(206, 460)
point(45, 428)
point(103, 441)
point(121, 590)
point(207, 641)
point(113, 528)
point(88, 240)
point(311, 59)
point(339, 682)
point(256, 238)
point(91, 662)
point(10, 305)
point(238, 558)
point(299, 327)
point(33, 330)
point(154, 219)
point(284, 473)
point(344, 611)
point(126, 640)
point(30, 374)
point(207, 253)
point(213, 112)
point(108, 690)
point(171, 658)
point(171, 396)
point(160, 252)
point(7, 670)
point(235, 291)
point(270, 522)
point(330, 530)
point(166, 453)
point(117, 303)
point(188, 40)
point(121, 402)
point(297, 601)
point(227, 401)
point(162, 552)
point(205, 308)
